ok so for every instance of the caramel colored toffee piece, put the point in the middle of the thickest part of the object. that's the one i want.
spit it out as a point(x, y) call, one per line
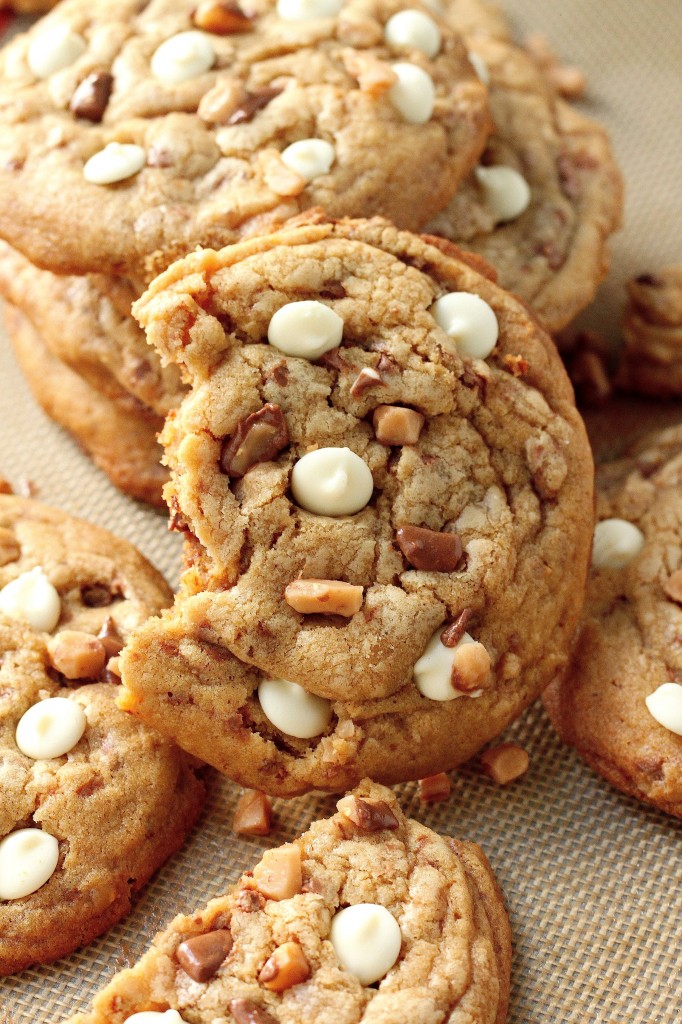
point(541, 205)
point(133, 134)
point(92, 801)
point(352, 606)
point(369, 916)
point(620, 704)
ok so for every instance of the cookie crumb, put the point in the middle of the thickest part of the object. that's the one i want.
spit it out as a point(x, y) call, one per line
point(253, 814)
point(435, 788)
point(505, 763)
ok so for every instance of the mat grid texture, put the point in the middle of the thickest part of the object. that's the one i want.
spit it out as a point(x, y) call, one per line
point(591, 878)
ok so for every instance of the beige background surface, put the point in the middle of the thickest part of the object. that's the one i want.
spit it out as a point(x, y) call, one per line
point(591, 878)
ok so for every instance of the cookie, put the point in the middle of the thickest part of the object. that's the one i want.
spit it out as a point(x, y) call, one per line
point(651, 357)
point(367, 916)
point(93, 802)
point(86, 323)
point(113, 428)
point(620, 704)
point(348, 491)
point(127, 141)
point(473, 17)
point(27, 6)
point(548, 194)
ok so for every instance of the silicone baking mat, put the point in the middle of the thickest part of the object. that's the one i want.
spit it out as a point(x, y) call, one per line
point(591, 878)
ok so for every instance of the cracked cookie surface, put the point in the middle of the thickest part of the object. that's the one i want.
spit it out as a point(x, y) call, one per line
point(494, 493)
point(122, 798)
point(454, 958)
point(629, 641)
point(201, 159)
point(552, 252)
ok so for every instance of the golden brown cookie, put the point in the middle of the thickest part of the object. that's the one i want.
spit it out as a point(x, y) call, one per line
point(27, 6)
point(86, 323)
point(369, 916)
point(473, 17)
point(113, 428)
point(342, 509)
point(92, 802)
point(610, 706)
point(541, 206)
point(651, 358)
point(130, 135)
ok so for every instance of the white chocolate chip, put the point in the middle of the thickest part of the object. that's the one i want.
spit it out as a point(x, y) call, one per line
point(367, 940)
point(28, 858)
point(469, 321)
point(665, 705)
point(155, 1017)
point(116, 162)
point(413, 29)
point(53, 49)
point(50, 728)
point(616, 543)
point(302, 10)
point(32, 598)
point(293, 710)
point(307, 329)
point(507, 193)
point(184, 56)
point(332, 482)
point(309, 157)
point(480, 67)
point(413, 95)
point(433, 671)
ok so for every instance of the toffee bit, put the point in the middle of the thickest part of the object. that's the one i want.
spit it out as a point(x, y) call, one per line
point(453, 633)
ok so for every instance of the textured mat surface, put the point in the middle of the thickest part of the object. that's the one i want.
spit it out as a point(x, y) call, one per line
point(591, 878)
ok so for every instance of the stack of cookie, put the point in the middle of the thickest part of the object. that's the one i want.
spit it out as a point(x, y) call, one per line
point(372, 451)
point(130, 137)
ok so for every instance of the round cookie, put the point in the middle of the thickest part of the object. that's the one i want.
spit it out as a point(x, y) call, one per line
point(630, 639)
point(103, 795)
point(113, 428)
point(651, 357)
point(437, 936)
point(86, 323)
point(547, 196)
point(473, 510)
point(138, 141)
